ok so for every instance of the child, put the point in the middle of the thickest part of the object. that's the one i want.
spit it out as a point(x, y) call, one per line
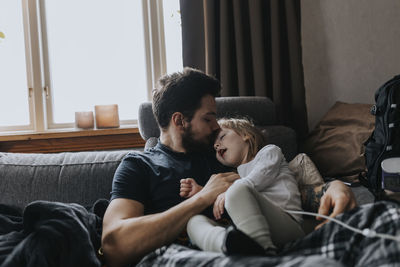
point(256, 202)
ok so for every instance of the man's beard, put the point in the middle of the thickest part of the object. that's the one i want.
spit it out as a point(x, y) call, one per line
point(192, 145)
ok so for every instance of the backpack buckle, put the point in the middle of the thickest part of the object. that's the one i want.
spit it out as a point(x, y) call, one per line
point(374, 110)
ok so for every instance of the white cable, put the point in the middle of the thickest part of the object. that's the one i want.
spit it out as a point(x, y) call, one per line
point(366, 231)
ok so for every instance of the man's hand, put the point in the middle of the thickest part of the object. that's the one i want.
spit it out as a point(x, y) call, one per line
point(189, 187)
point(337, 199)
point(217, 184)
point(219, 205)
point(128, 234)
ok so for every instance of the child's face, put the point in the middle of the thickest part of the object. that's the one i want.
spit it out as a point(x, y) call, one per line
point(231, 148)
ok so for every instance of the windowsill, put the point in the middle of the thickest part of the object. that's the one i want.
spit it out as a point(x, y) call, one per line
point(65, 133)
point(69, 140)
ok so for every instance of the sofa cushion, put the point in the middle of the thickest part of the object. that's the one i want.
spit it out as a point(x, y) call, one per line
point(282, 136)
point(261, 110)
point(336, 144)
point(305, 171)
point(78, 177)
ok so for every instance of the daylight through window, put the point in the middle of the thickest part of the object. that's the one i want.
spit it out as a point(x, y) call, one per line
point(59, 57)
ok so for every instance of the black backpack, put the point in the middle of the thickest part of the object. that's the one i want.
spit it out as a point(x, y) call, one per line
point(384, 141)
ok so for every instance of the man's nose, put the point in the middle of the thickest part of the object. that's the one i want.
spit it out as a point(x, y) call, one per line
point(215, 126)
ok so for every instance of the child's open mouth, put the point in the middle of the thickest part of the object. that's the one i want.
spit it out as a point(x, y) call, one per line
point(221, 152)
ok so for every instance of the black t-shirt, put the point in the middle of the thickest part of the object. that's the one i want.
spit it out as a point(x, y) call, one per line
point(153, 177)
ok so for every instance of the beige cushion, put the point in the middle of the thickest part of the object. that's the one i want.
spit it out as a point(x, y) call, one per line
point(306, 174)
point(305, 171)
point(336, 144)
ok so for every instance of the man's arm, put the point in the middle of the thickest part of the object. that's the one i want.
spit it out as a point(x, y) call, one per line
point(311, 197)
point(128, 235)
point(336, 199)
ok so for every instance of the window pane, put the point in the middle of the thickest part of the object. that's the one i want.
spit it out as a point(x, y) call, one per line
point(96, 56)
point(14, 106)
point(173, 35)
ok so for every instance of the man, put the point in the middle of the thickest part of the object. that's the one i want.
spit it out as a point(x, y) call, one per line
point(146, 211)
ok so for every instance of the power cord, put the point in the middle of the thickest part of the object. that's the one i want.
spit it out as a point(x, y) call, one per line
point(365, 232)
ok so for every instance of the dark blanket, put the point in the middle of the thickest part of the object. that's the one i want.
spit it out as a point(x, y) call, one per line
point(51, 234)
point(57, 234)
point(331, 245)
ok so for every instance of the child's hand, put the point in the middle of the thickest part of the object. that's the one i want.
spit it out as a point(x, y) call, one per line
point(189, 187)
point(219, 205)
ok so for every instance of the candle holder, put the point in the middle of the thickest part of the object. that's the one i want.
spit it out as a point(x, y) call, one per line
point(84, 119)
point(107, 116)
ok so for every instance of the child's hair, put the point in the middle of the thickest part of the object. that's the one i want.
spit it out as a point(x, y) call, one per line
point(244, 127)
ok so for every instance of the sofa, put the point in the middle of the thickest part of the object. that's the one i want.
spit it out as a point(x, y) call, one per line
point(39, 189)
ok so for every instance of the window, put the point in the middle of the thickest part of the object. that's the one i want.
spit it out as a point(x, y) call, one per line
point(14, 104)
point(76, 54)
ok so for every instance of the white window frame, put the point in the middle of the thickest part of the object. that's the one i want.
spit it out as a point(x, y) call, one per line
point(39, 85)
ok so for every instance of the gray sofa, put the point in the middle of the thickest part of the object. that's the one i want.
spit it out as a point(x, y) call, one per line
point(79, 177)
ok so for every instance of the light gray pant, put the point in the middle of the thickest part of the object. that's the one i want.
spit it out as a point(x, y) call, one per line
point(252, 213)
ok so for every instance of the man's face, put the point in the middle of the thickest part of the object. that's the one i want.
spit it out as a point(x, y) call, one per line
point(201, 131)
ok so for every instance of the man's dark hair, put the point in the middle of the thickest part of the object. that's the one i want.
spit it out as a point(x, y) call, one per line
point(182, 92)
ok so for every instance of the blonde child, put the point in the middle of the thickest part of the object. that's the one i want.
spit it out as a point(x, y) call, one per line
point(255, 202)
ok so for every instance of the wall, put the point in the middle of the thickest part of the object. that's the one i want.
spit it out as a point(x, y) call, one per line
point(350, 47)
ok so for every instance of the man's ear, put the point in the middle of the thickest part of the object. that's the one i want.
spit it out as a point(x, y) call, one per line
point(178, 119)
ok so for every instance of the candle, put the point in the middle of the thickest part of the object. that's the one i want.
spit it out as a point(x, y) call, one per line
point(107, 116)
point(84, 119)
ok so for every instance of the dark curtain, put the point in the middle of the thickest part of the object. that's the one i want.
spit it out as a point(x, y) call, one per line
point(253, 47)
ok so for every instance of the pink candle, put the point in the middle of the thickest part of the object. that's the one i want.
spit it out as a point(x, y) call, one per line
point(107, 116)
point(84, 119)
